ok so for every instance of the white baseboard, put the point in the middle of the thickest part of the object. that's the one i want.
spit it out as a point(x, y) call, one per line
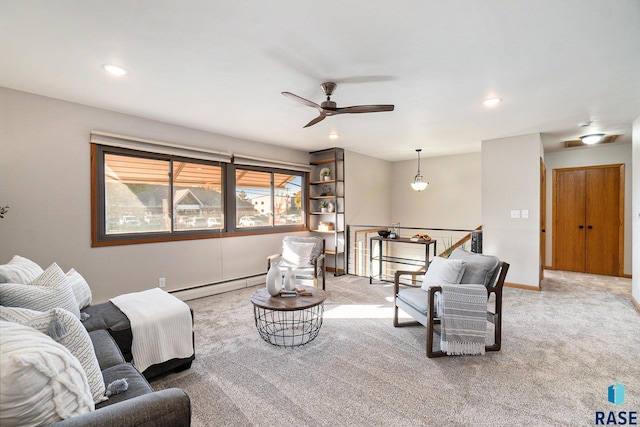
point(218, 288)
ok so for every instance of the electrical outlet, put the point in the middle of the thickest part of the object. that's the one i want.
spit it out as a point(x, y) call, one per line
point(161, 282)
point(525, 213)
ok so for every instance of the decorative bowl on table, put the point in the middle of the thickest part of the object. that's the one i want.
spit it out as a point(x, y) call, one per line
point(384, 233)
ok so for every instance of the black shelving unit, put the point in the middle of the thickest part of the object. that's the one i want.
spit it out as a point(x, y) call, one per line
point(330, 190)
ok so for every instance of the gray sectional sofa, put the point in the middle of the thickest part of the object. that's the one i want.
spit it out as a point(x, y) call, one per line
point(139, 405)
point(109, 317)
point(60, 353)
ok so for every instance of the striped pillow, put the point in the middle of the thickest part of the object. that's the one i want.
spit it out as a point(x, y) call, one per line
point(80, 288)
point(76, 340)
point(49, 290)
point(41, 380)
point(19, 270)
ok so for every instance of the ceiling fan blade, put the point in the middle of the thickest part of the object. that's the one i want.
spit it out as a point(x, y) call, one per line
point(302, 100)
point(316, 120)
point(364, 109)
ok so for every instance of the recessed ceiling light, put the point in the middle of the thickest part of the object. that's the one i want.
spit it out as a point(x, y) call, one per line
point(491, 102)
point(115, 70)
point(333, 136)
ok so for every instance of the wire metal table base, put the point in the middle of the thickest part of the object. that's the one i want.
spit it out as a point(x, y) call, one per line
point(291, 328)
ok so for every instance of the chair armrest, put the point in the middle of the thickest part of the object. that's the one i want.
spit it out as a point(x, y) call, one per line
point(318, 260)
point(273, 258)
point(164, 408)
point(431, 308)
point(396, 281)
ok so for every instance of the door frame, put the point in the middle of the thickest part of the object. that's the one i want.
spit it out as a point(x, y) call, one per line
point(554, 241)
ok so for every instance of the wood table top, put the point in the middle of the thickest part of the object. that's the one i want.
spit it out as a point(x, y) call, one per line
point(261, 298)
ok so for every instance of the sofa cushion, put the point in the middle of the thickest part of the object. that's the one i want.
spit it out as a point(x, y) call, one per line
point(41, 381)
point(80, 288)
point(317, 244)
point(296, 254)
point(481, 269)
point(443, 271)
point(138, 385)
point(415, 297)
point(75, 338)
point(107, 351)
point(19, 270)
point(40, 298)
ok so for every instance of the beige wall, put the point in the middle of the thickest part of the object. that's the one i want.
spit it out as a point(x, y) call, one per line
point(44, 158)
point(591, 156)
point(452, 199)
point(511, 181)
point(635, 214)
point(367, 189)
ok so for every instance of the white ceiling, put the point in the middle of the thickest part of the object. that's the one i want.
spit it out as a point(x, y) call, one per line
point(220, 66)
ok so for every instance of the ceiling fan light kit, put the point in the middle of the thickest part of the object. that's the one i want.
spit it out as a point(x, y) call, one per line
point(594, 138)
point(419, 183)
point(330, 108)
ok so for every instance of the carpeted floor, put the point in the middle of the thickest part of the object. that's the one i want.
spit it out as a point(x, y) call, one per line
point(562, 348)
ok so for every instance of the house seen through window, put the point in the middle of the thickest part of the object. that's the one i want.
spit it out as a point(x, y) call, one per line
point(144, 195)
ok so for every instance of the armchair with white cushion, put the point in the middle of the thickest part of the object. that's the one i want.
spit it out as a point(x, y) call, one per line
point(305, 255)
point(463, 277)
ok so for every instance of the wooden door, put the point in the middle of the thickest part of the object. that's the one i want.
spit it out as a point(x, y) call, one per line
point(569, 220)
point(588, 219)
point(602, 222)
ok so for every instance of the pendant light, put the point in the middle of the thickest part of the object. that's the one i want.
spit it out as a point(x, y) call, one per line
point(419, 183)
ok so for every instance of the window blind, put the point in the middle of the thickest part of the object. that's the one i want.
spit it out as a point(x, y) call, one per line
point(150, 146)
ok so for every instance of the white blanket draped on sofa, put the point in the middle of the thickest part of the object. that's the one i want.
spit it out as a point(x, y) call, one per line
point(160, 325)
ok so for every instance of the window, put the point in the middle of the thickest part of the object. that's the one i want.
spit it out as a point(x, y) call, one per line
point(144, 197)
point(270, 198)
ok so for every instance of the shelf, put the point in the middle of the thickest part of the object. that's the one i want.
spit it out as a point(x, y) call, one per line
point(324, 197)
point(331, 181)
point(332, 191)
point(322, 161)
point(332, 252)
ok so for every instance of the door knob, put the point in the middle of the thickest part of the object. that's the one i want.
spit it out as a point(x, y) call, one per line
point(581, 227)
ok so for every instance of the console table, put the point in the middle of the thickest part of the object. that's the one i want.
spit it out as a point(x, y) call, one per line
point(382, 257)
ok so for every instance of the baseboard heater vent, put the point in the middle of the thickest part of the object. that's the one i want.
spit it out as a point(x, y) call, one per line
point(202, 291)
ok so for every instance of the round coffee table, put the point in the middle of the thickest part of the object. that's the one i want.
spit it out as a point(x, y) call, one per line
point(288, 321)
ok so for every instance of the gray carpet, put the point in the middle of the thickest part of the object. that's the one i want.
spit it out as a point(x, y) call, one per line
point(562, 348)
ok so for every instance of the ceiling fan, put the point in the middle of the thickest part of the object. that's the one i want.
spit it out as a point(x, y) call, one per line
point(329, 107)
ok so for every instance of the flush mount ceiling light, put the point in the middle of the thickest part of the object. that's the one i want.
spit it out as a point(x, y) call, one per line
point(114, 70)
point(419, 183)
point(333, 136)
point(491, 102)
point(594, 138)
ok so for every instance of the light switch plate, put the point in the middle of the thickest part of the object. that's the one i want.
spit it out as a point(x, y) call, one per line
point(515, 214)
point(525, 213)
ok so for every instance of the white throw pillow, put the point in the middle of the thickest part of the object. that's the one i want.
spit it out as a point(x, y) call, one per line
point(443, 271)
point(296, 254)
point(49, 290)
point(19, 270)
point(80, 288)
point(41, 381)
point(76, 340)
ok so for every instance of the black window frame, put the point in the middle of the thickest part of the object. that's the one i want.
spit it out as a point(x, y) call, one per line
point(99, 237)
